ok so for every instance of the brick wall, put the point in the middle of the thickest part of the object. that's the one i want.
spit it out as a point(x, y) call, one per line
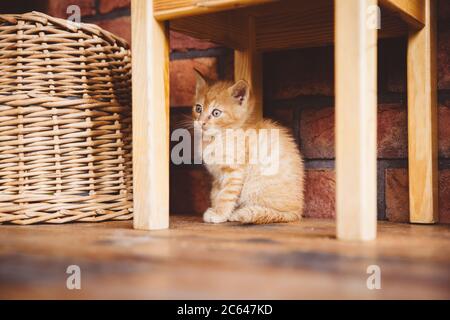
point(298, 92)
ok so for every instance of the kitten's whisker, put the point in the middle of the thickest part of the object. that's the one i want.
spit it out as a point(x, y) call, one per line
point(186, 123)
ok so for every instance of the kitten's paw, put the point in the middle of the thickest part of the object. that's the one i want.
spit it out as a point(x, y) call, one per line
point(241, 215)
point(210, 216)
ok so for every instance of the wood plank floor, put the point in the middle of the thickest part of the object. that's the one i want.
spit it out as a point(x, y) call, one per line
point(196, 260)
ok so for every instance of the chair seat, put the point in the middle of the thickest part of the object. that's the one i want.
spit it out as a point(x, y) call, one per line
point(279, 25)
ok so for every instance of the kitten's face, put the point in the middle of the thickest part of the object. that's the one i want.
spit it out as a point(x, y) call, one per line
point(221, 104)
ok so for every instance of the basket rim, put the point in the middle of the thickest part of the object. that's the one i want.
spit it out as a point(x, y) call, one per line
point(88, 28)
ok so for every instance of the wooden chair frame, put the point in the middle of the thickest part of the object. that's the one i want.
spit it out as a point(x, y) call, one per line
point(355, 83)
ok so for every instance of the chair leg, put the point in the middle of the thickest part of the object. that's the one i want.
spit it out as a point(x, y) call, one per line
point(422, 120)
point(356, 119)
point(150, 118)
point(248, 66)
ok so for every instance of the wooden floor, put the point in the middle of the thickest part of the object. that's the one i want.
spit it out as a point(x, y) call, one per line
point(196, 260)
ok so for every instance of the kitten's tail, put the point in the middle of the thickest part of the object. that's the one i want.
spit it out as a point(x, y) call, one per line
point(262, 215)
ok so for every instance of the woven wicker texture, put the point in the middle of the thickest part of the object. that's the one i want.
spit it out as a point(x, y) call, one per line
point(65, 122)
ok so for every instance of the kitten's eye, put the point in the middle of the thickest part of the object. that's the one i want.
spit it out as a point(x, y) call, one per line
point(198, 108)
point(216, 113)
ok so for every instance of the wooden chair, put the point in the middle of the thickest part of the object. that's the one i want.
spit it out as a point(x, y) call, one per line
point(253, 26)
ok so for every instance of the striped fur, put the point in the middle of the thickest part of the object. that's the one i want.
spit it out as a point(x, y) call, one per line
point(240, 192)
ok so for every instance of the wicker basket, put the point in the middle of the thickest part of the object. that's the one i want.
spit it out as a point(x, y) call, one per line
point(65, 122)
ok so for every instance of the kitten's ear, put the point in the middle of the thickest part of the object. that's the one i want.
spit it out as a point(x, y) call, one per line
point(240, 91)
point(201, 81)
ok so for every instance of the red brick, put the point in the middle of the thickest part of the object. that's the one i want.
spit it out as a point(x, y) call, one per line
point(182, 78)
point(396, 195)
point(392, 131)
point(444, 60)
point(288, 74)
point(444, 131)
point(320, 189)
point(106, 6)
point(120, 26)
point(182, 42)
point(317, 133)
point(58, 8)
point(444, 196)
point(189, 190)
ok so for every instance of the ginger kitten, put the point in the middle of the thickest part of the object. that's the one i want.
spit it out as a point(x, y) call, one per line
point(242, 190)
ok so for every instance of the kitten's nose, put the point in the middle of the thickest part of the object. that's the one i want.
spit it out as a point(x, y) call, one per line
point(199, 124)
